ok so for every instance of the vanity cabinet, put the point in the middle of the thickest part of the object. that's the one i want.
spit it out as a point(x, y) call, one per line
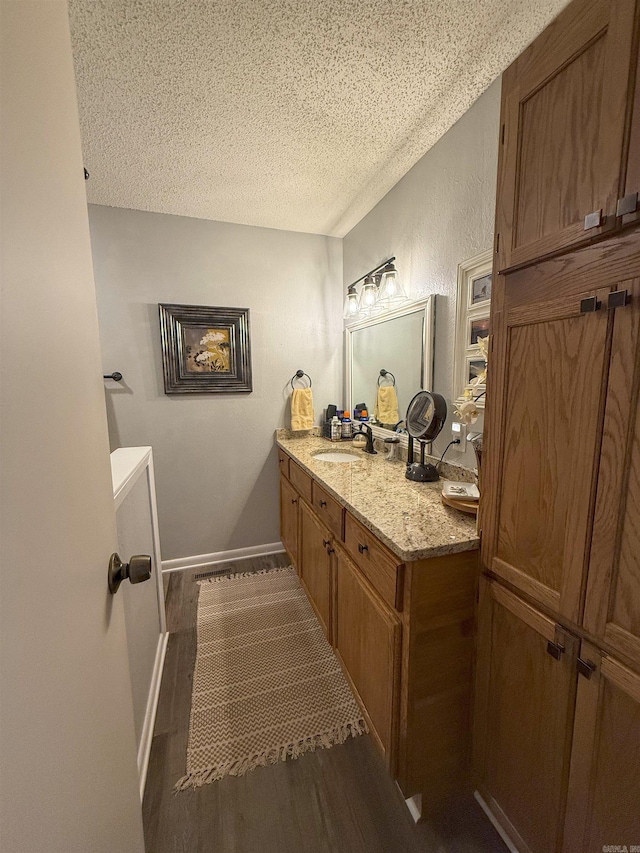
point(402, 632)
point(564, 132)
point(289, 511)
point(316, 565)
point(367, 639)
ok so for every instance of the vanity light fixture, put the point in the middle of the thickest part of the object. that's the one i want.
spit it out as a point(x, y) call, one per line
point(352, 303)
point(369, 295)
point(391, 292)
point(381, 290)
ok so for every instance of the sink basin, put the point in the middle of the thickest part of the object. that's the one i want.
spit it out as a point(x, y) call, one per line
point(329, 456)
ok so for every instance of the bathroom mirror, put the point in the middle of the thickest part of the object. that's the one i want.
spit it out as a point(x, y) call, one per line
point(400, 342)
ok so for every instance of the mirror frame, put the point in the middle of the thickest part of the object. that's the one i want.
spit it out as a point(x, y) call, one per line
point(428, 306)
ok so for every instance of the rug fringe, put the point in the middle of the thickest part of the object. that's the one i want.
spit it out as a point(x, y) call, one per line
point(238, 767)
point(237, 575)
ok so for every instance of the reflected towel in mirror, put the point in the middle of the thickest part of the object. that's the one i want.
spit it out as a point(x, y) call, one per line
point(302, 415)
point(387, 405)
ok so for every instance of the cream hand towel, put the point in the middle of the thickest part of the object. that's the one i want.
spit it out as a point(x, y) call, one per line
point(387, 405)
point(302, 415)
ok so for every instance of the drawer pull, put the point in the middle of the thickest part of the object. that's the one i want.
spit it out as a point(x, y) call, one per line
point(588, 305)
point(294, 500)
point(586, 668)
point(628, 204)
point(618, 299)
point(362, 548)
point(331, 551)
point(555, 650)
point(593, 220)
point(280, 461)
point(325, 543)
point(322, 504)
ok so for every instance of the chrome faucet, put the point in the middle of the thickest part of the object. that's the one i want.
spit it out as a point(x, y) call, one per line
point(365, 429)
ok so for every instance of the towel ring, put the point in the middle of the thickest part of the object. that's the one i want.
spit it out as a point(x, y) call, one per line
point(384, 374)
point(298, 375)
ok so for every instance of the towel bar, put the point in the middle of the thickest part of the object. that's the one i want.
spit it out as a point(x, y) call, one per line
point(298, 375)
point(383, 374)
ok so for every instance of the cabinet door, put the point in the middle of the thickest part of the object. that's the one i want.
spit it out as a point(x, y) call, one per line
point(551, 360)
point(524, 707)
point(315, 565)
point(612, 609)
point(631, 199)
point(564, 104)
point(289, 519)
point(367, 639)
point(603, 806)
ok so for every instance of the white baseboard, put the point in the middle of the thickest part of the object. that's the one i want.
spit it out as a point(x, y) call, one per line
point(221, 557)
point(503, 835)
point(144, 749)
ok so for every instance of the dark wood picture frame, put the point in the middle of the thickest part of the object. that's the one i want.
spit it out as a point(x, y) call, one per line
point(205, 350)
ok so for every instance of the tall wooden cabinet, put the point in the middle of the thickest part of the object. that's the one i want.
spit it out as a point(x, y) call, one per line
point(557, 704)
point(564, 132)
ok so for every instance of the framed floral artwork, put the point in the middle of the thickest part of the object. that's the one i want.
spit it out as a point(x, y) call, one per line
point(205, 350)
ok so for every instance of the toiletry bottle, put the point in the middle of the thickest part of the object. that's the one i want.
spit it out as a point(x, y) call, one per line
point(336, 429)
point(347, 426)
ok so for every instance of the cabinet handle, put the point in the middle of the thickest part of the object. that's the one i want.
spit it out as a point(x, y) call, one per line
point(294, 500)
point(593, 220)
point(627, 204)
point(618, 299)
point(326, 542)
point(588, 305)
point(322, 504)
point(556, 650)
point(280, 461)
point(586, 667)
point(331, 551)
point(362, 548)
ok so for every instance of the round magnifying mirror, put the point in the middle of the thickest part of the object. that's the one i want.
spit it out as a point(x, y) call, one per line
point(426, 415)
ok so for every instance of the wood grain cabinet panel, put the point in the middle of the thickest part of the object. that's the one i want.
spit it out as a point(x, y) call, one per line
point(301, 480)
point(367, 639)
point(289, 500)
point(316, 564)
point(612, 610)
point(564, 107)
point(283, 462)
point(524, 707)
point(377, 563)
point(329, 510)
point(603, 807)
point(632, 178)
point(553, 362)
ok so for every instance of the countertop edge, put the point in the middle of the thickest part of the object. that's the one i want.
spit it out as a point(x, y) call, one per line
point(407, 556)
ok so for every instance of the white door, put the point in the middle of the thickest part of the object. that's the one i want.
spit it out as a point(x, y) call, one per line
point(68, 776)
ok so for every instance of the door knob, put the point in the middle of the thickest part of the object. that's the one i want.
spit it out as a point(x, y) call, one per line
point(138, 569)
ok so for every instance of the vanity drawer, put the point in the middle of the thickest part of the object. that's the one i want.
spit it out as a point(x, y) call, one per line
point(301, 480)
point(283, 462)
point(329, 511)
point(375, 561)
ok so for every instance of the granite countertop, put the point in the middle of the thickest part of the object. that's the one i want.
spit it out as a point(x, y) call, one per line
point(408, 517)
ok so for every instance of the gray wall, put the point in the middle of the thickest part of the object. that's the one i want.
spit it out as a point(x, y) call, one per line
point(216, 473)
point(439, 214)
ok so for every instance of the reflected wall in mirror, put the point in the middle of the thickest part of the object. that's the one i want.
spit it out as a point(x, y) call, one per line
point(400, 342)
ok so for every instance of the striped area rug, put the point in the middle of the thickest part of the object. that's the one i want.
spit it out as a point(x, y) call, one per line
point(266, 684)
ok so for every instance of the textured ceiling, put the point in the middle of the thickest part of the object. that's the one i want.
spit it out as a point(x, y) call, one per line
point(295, 114)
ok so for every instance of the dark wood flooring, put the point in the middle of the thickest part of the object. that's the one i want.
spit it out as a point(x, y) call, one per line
point(338, 800)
